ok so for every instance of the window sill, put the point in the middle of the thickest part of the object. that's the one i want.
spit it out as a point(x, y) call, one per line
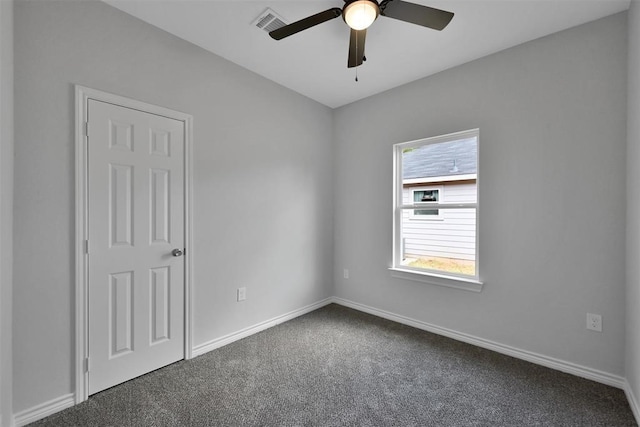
point(437, 279)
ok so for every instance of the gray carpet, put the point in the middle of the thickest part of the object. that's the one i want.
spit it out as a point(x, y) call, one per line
point(340, 367)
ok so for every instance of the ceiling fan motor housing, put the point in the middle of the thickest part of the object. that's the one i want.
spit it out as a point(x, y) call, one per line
point(360, 14)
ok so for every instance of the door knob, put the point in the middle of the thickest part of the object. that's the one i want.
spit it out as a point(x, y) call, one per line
point(177, 252)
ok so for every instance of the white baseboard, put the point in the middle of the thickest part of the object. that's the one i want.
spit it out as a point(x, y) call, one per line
point(44, 410)
point(243, 333)
point(58, 404)
point(633, 402)
point(63, 402)
point(539, 359)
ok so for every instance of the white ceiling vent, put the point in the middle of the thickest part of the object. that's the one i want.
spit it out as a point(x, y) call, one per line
point(269, 21)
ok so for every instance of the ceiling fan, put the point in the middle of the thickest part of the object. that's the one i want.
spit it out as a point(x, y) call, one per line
point(360, 14)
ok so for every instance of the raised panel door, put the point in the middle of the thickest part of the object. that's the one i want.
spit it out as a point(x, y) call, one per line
point(136, 219)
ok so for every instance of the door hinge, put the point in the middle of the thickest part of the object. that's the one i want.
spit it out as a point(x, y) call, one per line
point(86, 246)
point(86, 128)
point(87, 365)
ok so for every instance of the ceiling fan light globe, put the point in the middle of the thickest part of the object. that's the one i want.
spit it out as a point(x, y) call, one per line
point(360, 14)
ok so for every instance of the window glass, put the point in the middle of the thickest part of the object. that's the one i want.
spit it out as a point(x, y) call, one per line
point(425, 196)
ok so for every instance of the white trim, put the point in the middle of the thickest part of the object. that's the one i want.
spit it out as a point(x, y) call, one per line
point(83, 94)
point(251, 330)
point(43, 410)
point(633, 402)
point(538, 359)
point(188, 236)
point(464, 134)
point(434, 205)
point(448, 178)
point(428, 276)
point(81, 317)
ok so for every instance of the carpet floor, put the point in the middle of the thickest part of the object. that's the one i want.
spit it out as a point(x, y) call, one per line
point(340, 367)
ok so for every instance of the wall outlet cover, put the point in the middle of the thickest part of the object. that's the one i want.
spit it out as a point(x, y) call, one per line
point(594, 322)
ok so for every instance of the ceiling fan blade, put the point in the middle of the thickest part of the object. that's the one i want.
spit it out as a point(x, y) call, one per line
point(305, 23)
point(356, 48)
point(416, 14)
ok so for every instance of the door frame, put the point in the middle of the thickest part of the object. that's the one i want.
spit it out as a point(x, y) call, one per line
point(82, 96)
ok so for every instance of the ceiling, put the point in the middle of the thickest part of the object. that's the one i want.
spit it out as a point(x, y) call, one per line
point(314, 62)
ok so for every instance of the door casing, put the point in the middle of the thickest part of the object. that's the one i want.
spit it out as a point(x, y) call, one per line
point(83, 94)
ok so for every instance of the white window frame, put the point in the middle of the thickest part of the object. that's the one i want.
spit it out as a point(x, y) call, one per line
point(435, 277)
point(426, 205)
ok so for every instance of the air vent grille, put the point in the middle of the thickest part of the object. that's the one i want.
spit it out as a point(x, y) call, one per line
point(269, 21)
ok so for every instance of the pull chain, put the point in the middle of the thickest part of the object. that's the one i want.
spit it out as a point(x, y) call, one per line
point(356, 58)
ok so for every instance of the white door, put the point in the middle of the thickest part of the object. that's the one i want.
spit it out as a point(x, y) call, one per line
point(136, 239)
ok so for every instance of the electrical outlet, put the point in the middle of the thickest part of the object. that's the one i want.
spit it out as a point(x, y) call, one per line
point(594, 322)
point(345, 274)
point(242, 294)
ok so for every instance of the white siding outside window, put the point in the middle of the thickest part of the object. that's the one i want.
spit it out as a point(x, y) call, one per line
point(450, 234)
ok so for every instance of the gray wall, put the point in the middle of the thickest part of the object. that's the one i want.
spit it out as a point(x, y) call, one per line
point(552, 119)
point(633, 205)
point(6, 207)
point(262, 178)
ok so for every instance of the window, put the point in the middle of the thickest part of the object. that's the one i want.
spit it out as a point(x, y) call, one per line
point(436, 209)
point(425, 197)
